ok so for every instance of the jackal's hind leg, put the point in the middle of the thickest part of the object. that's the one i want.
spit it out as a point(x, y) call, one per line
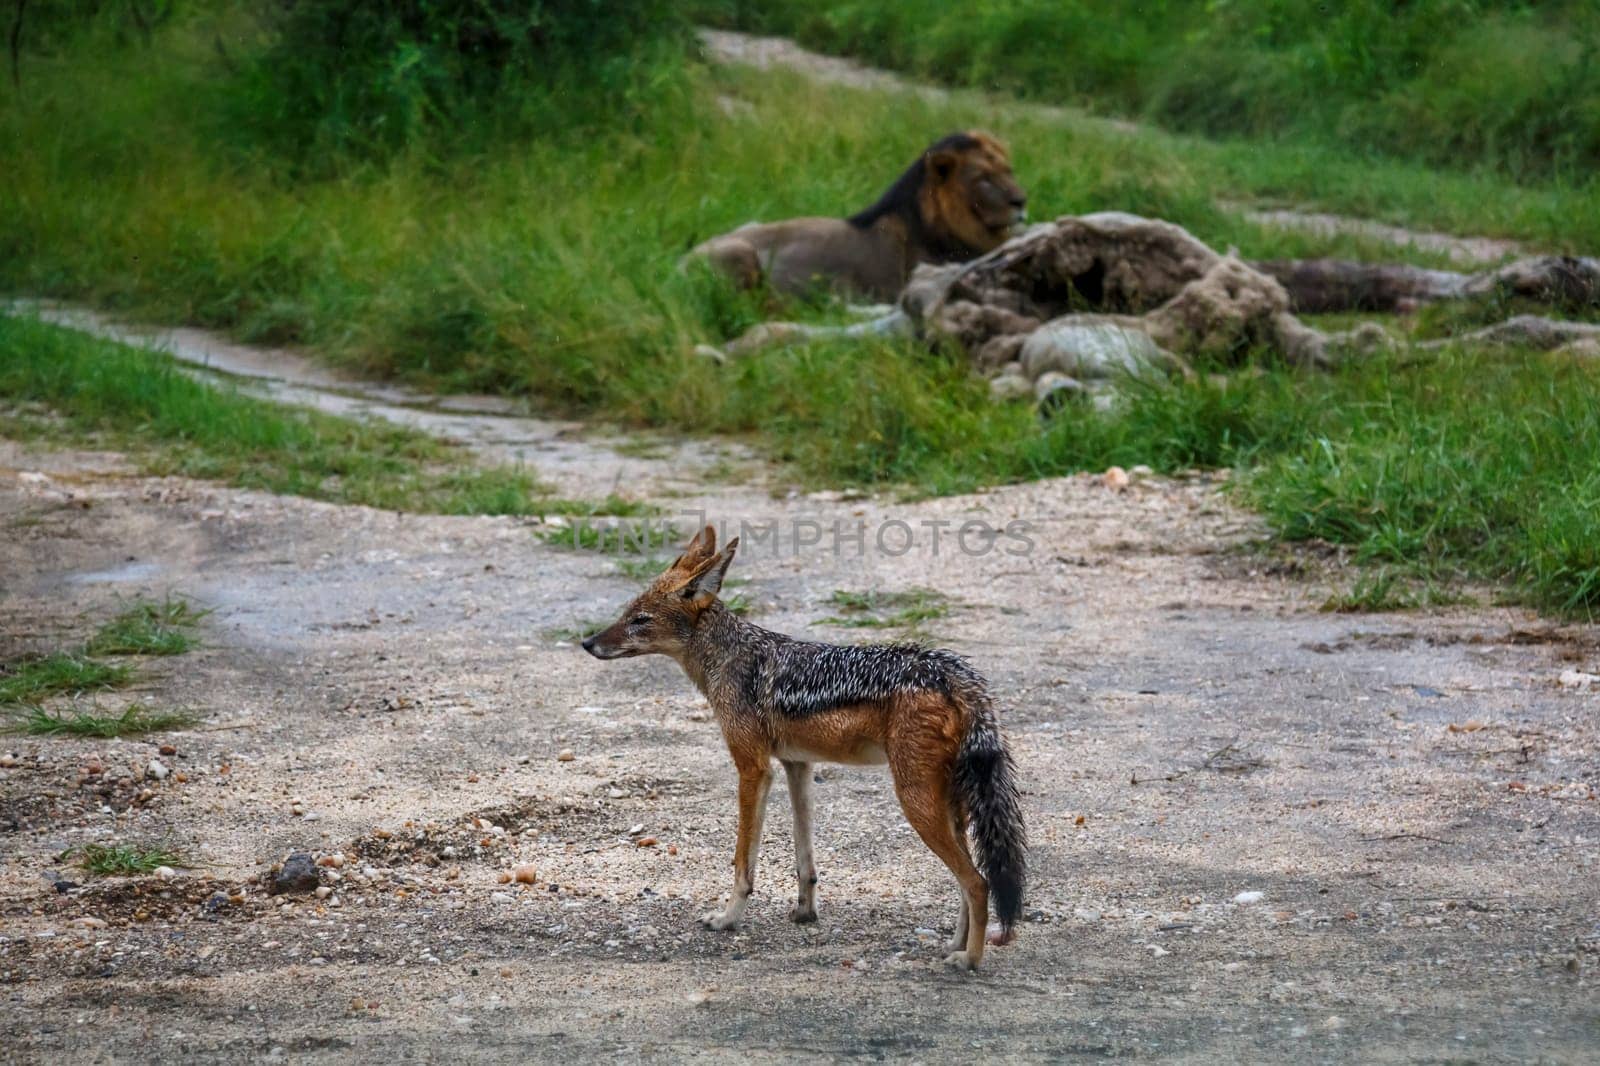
point(754, 782)
point(924, 794)
point(805, 867)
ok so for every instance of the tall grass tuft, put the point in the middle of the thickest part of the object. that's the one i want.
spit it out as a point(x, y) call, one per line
point(136, 719)
point(30, 680)
point(149, 629)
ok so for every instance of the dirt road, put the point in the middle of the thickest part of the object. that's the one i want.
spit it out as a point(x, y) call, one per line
point(1259, 830)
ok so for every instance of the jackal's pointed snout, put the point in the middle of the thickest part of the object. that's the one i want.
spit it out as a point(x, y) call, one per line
point(588, 645)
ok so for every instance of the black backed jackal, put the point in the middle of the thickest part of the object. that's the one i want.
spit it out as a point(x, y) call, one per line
point(924, 712)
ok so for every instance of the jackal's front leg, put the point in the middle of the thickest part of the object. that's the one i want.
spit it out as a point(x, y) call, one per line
point(754, 783)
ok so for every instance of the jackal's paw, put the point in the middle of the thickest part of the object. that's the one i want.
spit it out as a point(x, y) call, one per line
point(802, 915)
point(960, 960)
point(720, 921)
point(958, 944)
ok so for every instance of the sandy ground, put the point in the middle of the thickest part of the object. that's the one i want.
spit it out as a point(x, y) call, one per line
point(1412, 796)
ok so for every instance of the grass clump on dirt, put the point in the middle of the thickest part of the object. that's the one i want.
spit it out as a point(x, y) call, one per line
point(128, 860)
point(149, 629)
point(30, 680)
point(639, 536)
point(136, 719)
point(885, 610)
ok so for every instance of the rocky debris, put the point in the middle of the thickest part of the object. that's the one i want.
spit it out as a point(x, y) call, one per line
point(296, 874)
point(1106, 295)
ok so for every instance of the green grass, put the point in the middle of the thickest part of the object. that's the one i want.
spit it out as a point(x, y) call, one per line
point(740, 604)
point(135, 720)
point(138, 400)
point(128, 860)
point(628, 536)
point(1382, 589)
point(873, 609)
point(1460, 84)
point(647, 568)
point(149, 629)
point(30, 680)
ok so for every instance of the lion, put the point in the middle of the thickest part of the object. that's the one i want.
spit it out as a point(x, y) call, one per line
point(957, 201)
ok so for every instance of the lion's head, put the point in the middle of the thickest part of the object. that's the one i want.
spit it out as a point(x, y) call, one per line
point(970, 192)
point(961, 195)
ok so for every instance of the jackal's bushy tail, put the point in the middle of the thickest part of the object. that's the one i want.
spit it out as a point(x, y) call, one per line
point(985, 781)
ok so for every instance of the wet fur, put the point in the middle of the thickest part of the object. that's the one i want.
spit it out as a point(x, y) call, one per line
point(925, 712)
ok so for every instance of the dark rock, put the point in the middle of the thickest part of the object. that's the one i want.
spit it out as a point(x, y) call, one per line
point(298, 873)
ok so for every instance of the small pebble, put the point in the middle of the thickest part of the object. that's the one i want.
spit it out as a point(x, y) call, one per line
point(87, 922)
point(647, 842)
point(525, 874)
point(500, 897)
point(323, 891)
point(503, 877)
point(1249, 897)
point(156, 771)
point(165, 872)
point(167, 749)
point(566, 755)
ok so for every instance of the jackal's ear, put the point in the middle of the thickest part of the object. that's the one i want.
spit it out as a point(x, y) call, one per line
point(706, 582)
point(701, 548)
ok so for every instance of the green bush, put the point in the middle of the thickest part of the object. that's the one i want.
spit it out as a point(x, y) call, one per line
point(369, 76)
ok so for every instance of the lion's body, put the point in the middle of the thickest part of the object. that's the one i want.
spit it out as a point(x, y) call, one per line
point(956, 202)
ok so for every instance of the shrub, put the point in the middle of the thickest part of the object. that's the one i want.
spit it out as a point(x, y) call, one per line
point(369, 76)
